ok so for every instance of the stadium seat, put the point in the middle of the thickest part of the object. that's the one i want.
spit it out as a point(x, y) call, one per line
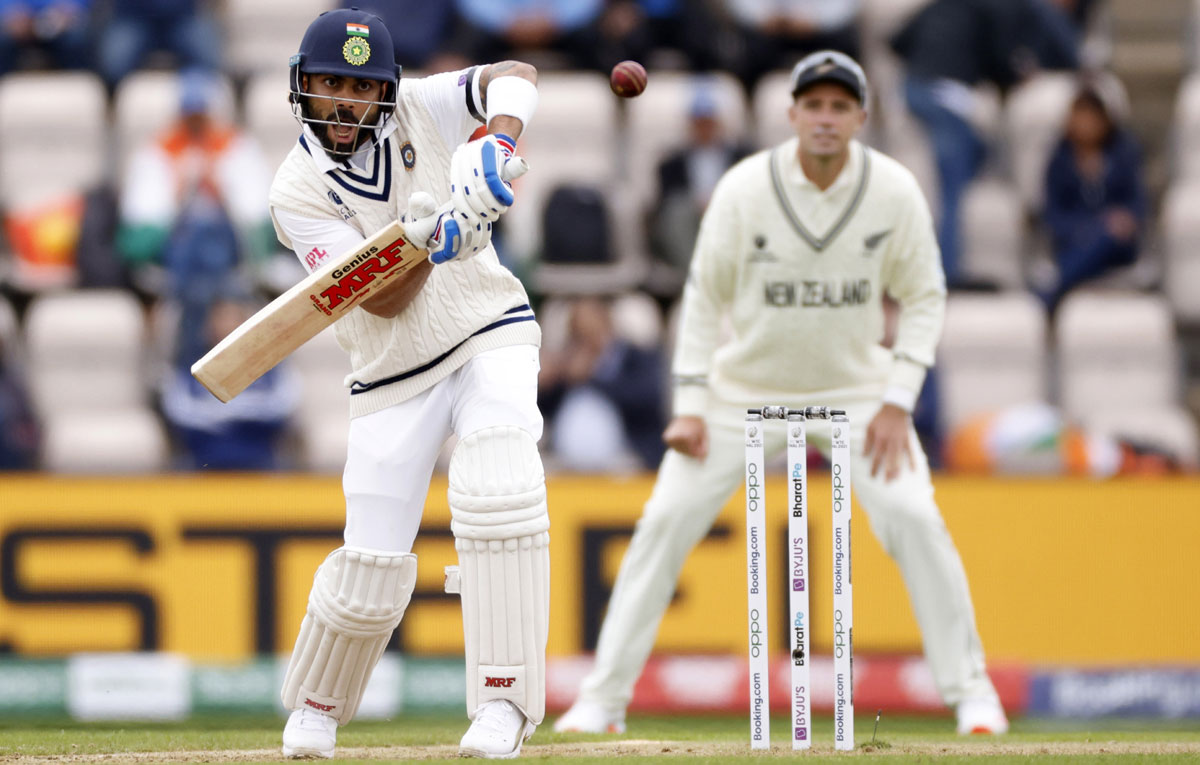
point(261, 35)
point(992, 354)
point(1116, 349)
point(87, 377)
point(148, 101)
point(9, 334)
point(553, 317)
point(323, 418)
point(56, 155)
point(56, 124)
point(993, 231)
point(1181, 240)
point(1186, 129)
point(1034, 118)
point(881, 18)
point(575, 110)
point(772, 97)
point(637, 318)
point(574, 141)
point(658, 122)
point(269, 115)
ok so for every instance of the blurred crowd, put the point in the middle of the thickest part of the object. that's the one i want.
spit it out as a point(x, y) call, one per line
point(1005, 110)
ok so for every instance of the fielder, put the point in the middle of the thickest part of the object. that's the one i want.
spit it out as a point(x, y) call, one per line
point(795, 251)
point(450, 347)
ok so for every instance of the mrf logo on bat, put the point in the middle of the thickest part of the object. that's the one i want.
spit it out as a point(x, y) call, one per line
point(359, 274)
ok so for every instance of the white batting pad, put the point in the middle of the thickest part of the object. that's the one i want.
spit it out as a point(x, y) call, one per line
point(498, 508)
point(358, 598)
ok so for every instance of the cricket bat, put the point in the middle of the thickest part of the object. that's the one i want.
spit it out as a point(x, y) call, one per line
point(298, 315)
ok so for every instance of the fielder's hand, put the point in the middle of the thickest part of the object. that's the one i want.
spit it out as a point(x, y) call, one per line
point(687, 435)
point(887, 441)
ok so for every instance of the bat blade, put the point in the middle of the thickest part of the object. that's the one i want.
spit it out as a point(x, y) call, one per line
point(298, 315)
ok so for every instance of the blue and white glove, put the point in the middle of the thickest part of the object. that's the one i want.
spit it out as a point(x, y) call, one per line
point(436, 229)
point(481, 172)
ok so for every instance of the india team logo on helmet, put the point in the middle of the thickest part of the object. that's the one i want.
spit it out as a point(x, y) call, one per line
point(356, 51)
point(345, 42)
point(349, 43)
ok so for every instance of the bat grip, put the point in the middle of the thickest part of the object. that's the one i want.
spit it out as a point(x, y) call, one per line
point(514, 168)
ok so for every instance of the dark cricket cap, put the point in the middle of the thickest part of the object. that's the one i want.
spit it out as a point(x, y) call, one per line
point(830, 66)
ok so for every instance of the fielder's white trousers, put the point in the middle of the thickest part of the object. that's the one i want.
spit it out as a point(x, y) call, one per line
point(392, 452)
point(686, 500)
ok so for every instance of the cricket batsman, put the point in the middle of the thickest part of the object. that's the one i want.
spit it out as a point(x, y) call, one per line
point(448, 347)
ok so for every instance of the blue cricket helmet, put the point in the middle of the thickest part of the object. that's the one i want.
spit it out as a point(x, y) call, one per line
point(346, 42)
point(349, 43)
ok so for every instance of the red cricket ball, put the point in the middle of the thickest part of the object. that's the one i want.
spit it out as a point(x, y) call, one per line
point(628, 79)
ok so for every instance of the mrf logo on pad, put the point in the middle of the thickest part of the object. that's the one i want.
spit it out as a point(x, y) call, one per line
point(355, 277)
point(498, 682)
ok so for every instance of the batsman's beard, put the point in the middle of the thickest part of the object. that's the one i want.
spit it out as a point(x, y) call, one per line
point(325, 125)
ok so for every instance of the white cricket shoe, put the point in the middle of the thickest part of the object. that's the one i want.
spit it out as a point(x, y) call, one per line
point(590, 717)
point(983, 716)
point(497, 733)
point(309, 734)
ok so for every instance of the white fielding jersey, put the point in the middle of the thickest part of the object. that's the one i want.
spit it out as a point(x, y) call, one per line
point(322, 208)
point(799, 274)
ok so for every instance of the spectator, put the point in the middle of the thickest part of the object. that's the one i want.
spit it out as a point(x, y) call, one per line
point(772, 34)
point(140, 27)
point(194, 203)
point(688, 27)
point(420, 29)
point(19, 431)
point(1095, 201)
point(247, 432)
point(951, 46)
point(493, 30)
point(687, 177)
point(602, 394)
point(59, 28)
point(623, 31)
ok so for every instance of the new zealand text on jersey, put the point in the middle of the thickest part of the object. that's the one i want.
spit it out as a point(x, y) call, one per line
point(815, 294)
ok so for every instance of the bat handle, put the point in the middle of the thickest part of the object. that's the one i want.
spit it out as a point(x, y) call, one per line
point(514, 168)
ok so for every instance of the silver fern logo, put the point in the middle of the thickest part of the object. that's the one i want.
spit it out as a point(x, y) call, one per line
point(753, 432)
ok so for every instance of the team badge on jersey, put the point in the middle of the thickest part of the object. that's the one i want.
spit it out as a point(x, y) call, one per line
point(356, 51)
point(408, 155)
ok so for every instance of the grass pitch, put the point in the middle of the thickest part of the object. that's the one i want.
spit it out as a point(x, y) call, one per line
point(707, 739)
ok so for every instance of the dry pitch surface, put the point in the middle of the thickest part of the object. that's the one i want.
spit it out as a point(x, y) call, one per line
point(699, 739)
point(655, 749)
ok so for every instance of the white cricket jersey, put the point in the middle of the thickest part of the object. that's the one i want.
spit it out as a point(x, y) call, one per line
point(322, 208)
point(799, 274)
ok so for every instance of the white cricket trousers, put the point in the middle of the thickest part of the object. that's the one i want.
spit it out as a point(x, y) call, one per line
point(392, 452)
point(689, 495)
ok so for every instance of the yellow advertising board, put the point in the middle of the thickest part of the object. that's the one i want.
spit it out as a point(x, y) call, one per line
point(1062, 571)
